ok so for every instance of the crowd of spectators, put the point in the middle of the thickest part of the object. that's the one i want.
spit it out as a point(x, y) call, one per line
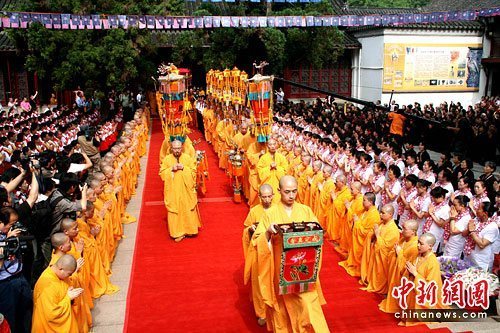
point(46, 160)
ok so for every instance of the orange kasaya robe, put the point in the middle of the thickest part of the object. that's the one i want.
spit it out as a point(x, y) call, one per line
point(338, 216)
point(397, 268)
point(251, 267)
point(252, 160)
point(325, 202)
point(83, 303)
point(302, 174)
point(314, 192)
point(428, 269)
point(272, 176)
point(208, 118)
point(293, 164)
point(359, 233)
point(299, 312)
point(105, 236)
point(308, 189)
point(375, 260)
point(356, 209)
point(52, 310)
point(221, 142)
point(180, 196)
point(99, 280)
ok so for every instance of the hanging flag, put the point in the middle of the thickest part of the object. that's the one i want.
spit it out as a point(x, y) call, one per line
point(386, 19)
point(207, 20)
point(245, 22)
point(425, 18)
point(26, 19)
point(6, 22)
point(150, 22)
point(160, 22)
point(344, 21)
point(65, 21)
point(361, 20)
point(113, 21)
point(198, 22)
point(75, 22)
point(123, 21)
point(235, 21)
point(216, 22)
point(289, 21)
point(418, 18)
point(408, 18)
point(96, 21)
point(262, 21)
point(370, 20)
point(14, 20)
point(271, 21)
point(225, 22)
point(132, 21)
point(190, 23)
point(36, 18)
point(86, 21)
point(169, 22)
point(142, 21)
point(335, 21)
point(254, 22)
point(377, 20)
point(280, 22)
point(310, 21)
point(105, 23)
point(317, 21)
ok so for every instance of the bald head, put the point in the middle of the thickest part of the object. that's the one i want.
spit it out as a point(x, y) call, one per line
point(411, 225)
point(265, 188)
point(176, 144)
point(428, 239)
point(341, 180)
point(287, 181)
point(67, 224)
point(317, 165)
point(387, 213)
point(327, 171)
point(355, 186)
point(66, 262)
point(58, 239)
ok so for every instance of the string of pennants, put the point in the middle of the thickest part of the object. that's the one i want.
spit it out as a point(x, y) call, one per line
point(82, 22)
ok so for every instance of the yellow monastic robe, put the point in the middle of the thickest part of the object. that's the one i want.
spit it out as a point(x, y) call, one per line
point(82, 304)
point(252, 160)
point(314, 193)
point(302, 174)
point(359, 232)
point(356, 209)
point(180, 196)
point(52, 310)
point(105, 236)
point(338, 216)
point(272, 176)
point(208, 118)
point(222, 148)
point(325, 202)
point(397, 268)
point(187, 148)
point(99, 280)
point(251, 268)
point(294, 165)
point(300, 312)
point(428, 269)
point(375, 260)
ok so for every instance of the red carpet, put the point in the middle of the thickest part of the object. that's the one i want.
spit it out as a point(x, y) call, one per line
point(197, 285)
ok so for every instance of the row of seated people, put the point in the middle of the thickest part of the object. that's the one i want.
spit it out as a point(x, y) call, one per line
point(75, 208)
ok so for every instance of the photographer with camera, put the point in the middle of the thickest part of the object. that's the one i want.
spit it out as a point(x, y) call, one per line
point(16, 301)
point(89, 144)
point(64, 203)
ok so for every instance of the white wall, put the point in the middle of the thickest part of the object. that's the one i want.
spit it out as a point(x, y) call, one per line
point(370, 61)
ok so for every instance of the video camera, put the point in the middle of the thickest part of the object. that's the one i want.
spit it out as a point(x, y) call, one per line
point(14, 246)
point(30, 161)
point(89, 132)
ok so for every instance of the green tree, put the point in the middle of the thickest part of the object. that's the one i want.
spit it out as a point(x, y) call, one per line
point(389, 3)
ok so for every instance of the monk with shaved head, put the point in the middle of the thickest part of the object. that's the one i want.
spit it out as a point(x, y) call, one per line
point(291, 312)
point(52, 298)
point(178, 172)
point(272, 166)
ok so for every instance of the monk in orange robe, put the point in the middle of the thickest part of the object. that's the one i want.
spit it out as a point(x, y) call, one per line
point(405, 250)
point(336, 221)
point(251, 267)
point(378, 246)
point(325, 202)
point(425, 268)
point(295, 162)
point(314, 190)
point(302, 174)
point(271, 167)
point(361, 228)
point(178, 171)
point(354, 208)
point(296, 312)
point(99, 280)
point(253, 154)
point(311, 188)
point(62, 245)
point(52, 298)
